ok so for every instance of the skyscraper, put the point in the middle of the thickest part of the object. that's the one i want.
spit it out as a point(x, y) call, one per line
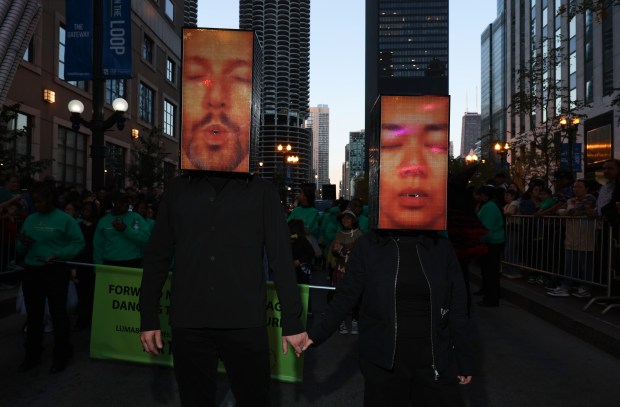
point(191, 13)
point(470, 132)
point(283, 28)
point(318, 122)
point(406, 49)
point(357, 156)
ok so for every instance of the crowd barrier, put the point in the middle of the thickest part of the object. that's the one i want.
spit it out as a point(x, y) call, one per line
point(579, 249)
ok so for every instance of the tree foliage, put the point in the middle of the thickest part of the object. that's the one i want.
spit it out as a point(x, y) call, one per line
point(598, 7)
point(147, 160)
point(537, 151)
point(11, 160)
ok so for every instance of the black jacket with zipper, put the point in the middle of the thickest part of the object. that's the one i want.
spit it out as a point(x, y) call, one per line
point(372, 273)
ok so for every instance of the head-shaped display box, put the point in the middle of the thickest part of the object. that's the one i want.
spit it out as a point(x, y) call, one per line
point(221, 100)
point(408, 159)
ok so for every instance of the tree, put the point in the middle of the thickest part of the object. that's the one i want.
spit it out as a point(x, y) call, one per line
point(147, 160)
point(537, 151)
point(598, 7)
point(11, 160)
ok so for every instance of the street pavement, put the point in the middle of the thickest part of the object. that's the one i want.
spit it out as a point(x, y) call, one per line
point(525, 361)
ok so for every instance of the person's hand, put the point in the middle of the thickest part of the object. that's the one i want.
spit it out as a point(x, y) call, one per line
point(151, 341)
point(592, 213)
point(464, 379)
point(26, 240)
point(336, 246)
point(119, 225)
point(50, 259)
point(16, 198)
point(306, 345)
point(296, 341)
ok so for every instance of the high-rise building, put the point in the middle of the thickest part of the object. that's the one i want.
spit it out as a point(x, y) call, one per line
point(406, 49)
point(470, 132)
point(493, 86)
point(357, 156)
point(153, 95)
point(345, 185)
point(283, 28)
point(318, 122)
point(590, 54)
point(191, 12)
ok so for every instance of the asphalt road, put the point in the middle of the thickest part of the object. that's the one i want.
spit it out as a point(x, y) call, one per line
point(525, 362)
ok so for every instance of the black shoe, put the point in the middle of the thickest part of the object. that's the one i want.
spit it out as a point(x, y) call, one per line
point(488, 304)
point(28, 364)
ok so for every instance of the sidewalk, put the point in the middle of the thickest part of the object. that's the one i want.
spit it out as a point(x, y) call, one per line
point(600, 330)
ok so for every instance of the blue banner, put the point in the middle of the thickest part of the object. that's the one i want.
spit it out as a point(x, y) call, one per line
point(564, 154)
point(116, 58)
point(78, 41)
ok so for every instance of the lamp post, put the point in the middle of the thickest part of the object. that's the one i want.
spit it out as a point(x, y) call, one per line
point(98, 124)
point(570, 124)
point(502, 151)
point(471, 158)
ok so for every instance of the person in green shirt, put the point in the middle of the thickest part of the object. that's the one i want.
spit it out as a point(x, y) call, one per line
point(306, 211)
point(121, 236)
point(48, 236)
point(493, 220)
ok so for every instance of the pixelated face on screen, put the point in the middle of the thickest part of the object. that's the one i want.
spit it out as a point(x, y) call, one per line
point(217, 90)
point(413, 162)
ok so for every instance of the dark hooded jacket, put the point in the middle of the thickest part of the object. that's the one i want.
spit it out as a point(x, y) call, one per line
point(372, 274)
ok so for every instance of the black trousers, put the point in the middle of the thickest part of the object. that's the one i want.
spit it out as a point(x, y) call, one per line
point(86, 295)
point(39, 283)
point(406, 385)
point(244, 352)
point(490, 264)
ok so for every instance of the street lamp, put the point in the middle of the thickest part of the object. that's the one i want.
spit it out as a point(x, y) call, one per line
point(98, 125)
point(570, 124)
point(502, 151)
point(471, 158)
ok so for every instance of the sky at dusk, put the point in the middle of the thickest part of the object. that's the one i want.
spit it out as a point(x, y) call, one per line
point(337, 61)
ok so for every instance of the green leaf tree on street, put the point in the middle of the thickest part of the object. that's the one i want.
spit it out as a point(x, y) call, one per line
point(147, 160)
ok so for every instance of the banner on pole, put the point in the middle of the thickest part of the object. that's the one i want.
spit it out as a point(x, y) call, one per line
point(116, 323)
point(116, 55)
point(78, 41)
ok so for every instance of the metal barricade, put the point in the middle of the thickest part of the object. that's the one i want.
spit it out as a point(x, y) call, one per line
point(579, 249)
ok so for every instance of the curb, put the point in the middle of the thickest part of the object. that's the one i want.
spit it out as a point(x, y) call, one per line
point(584, 325)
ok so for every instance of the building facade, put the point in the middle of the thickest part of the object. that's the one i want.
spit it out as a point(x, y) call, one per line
point(283, 28)
point(153, 95)
point(357, 157)
point(406, 49)
point(585, 70)
point(493, 85)
point(470, 132)
point(318, 123)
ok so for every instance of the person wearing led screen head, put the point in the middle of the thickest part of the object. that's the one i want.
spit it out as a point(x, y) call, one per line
point(414, 333)
point(414, 163)
point(217, 89)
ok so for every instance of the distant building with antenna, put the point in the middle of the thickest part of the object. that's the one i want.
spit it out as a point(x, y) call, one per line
point(470, 132)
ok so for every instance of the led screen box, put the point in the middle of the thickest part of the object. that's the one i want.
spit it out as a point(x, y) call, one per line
point(408, 160)
point(221, 91)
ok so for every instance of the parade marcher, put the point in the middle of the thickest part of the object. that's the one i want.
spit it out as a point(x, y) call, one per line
point(306, 211)
point(303, 253)
point(47, 236)
point(85, 275)
point(490, 262)
point(121, 236)
point(217, 303)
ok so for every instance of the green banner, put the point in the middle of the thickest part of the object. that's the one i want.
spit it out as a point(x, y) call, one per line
point(116, 323)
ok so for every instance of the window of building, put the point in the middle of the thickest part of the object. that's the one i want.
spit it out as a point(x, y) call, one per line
point(147, 49)
point(146, 103)
point(170, 9)
point(608, 51)
point(61, 59)
point(71, 157)
point(169, 118)
point(21, 144)
point(115, 165)
point(171, 70)
point(29, 53)
point(114, 88)
point(588, 38)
